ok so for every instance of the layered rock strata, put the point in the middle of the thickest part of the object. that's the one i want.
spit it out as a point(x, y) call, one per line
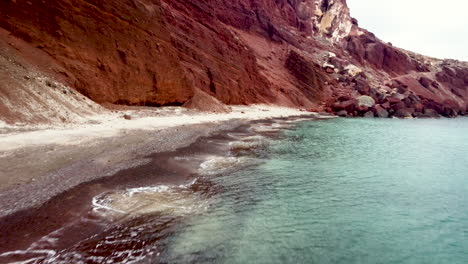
point(303, 53)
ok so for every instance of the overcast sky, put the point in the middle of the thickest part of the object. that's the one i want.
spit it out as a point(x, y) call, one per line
point(437, 28)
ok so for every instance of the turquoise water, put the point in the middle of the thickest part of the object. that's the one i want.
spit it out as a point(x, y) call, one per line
point(340, 191)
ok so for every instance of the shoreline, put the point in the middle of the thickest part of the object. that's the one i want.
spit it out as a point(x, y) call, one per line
point(42, 164)
point(160, 168)
point(69, 225)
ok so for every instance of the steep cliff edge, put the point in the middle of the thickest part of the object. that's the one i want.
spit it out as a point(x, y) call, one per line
point(303, 53)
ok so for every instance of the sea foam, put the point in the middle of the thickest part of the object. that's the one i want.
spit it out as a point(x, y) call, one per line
point(175, 200)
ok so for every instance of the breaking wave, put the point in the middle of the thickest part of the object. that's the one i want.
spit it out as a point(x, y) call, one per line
point(174, 200)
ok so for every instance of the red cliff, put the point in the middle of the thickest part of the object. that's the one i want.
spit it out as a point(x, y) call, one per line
point(308, 53)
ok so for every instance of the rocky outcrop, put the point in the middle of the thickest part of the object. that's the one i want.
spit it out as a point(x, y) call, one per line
point(308, 53)
point(367, 49)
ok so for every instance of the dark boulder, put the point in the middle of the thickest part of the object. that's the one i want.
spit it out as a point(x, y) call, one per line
point(449, 112)
point(362, 86)
point(386, 105)
point(430, 113)
point(392, 100)
point(430, 104)
point(369, 114)
point(380, 111)
point(378, 96)
point(426, 82)
point(337, 62)
point(399, 106)
point(398, 84)
point(343, 98)
point(349, 105)
point(408, 102)
point(418, 107)
point(454, 77)
point(342, 113)
point(399, 96)
point(414, 97)
point(404, 113)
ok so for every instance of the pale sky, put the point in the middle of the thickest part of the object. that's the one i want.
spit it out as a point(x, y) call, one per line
point(437, 28)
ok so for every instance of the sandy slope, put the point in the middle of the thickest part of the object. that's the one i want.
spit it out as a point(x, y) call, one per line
point(114, 124)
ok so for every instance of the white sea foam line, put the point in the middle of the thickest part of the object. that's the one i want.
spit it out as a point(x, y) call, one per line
point(245, 144)
point(29, 261)
point(149, 189)
point(265, 128)
point(245, 137)
point(49, 253)
point(98, 206)
point(113, 124)
point(187, 185)
point(36, 247)
point(253, 138)
point(215, 160)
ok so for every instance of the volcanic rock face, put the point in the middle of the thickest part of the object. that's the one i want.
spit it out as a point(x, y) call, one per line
point(29, 96)
point(366, 48)
point(304, 53)
point(112, 51)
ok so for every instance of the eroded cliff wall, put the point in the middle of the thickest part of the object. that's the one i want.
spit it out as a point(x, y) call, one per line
point(304, 53)
point(116, 51)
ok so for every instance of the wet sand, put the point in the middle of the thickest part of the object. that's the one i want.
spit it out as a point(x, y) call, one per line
point(30, 176)
point(54, 184)
point(33, 210)
point(37, 165)
point(166, 157)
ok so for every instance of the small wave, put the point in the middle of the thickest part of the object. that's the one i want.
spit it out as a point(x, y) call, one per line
point(183, 158)
point(254, 138)
point(273, 127)
point(241, 136)
point(297, 120)
point(218, 164)
point(246, 146)
point(175, 200)
point(263, 128)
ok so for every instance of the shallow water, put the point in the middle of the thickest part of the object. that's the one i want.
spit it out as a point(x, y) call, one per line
point(322, 191)
point(341, 191)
